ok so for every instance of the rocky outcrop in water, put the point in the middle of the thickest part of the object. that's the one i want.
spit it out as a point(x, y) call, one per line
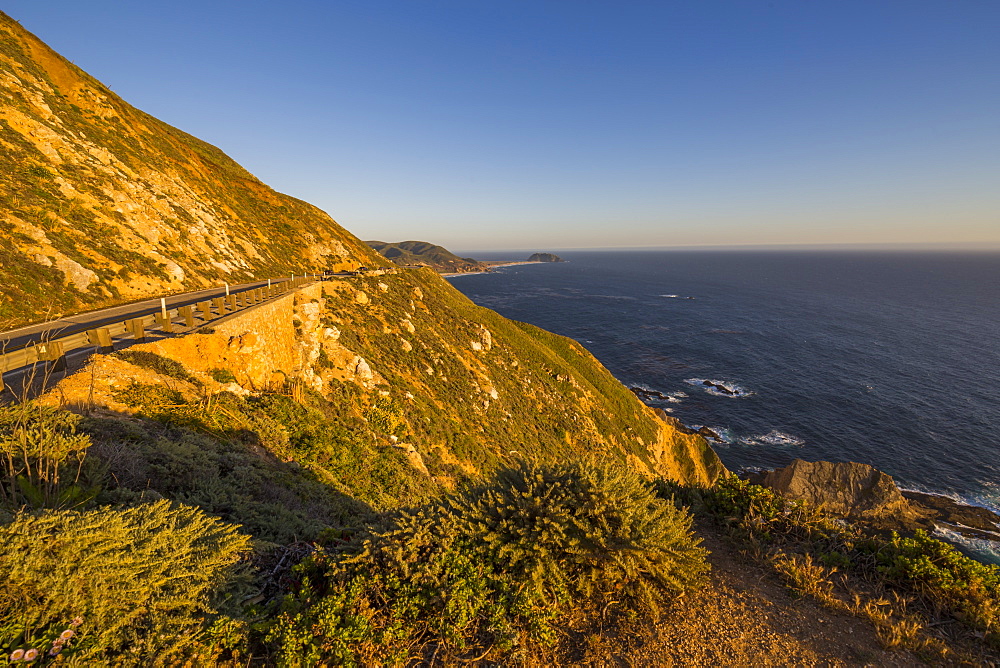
point(849, 489)
point(649, 395)
point(545, 257)
point(970, 521)
point(862, 492)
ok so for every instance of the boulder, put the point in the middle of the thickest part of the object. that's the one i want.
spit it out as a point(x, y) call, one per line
point(849, 489)
point(362, 370)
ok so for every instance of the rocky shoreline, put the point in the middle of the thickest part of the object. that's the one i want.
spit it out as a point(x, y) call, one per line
point(863, 494)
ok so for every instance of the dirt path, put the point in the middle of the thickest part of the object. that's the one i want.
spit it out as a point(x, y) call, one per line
point(746, 617)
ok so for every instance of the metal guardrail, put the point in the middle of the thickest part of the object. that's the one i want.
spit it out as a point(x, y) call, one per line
point(88, 338)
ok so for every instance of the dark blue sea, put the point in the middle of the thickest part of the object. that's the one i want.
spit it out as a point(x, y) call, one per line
point(887, 358)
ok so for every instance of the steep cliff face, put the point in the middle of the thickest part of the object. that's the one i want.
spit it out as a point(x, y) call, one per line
point(414, 366)
point(102, 203)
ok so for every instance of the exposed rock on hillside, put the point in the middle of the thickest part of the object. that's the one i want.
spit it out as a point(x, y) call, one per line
point(545, 257)
point(101, 203)
point(424, 254)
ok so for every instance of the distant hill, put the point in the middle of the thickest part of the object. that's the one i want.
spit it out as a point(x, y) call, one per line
point(424, 254)
point(545, 257)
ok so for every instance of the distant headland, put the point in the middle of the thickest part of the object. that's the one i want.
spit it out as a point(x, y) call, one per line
point(545, 257)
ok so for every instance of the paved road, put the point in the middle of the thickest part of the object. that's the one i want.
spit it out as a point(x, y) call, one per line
point(53, 329)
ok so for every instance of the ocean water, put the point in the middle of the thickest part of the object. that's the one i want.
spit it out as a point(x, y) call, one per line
point(892, 359)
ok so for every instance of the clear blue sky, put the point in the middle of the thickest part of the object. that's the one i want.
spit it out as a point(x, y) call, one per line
point(485, 124)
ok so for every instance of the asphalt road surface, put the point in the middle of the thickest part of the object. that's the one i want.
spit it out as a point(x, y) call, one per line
point(54, 329)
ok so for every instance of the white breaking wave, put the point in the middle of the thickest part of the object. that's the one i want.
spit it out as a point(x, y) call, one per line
point(986, 498)
point(773, 437)
point(985, 550)
point(733, 390)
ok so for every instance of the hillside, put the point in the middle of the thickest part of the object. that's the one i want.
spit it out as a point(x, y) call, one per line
point(107, 204)
point(424, 254)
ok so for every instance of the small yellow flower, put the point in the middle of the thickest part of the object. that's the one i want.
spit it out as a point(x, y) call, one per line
point(67, 634)
point(17, 655)
point(76, 621)
point(31, 654)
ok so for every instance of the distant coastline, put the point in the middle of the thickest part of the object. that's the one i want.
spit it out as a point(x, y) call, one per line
point(493, 264)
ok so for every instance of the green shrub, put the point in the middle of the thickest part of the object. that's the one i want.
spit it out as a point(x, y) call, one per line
point(940, 577)
point(222, 376)
point(227, 478)
point(42, 456)
point(501, 564)
point(152, 400)
point(942, 574)
point(157, 363)
point(142, 583)
point(583, 529)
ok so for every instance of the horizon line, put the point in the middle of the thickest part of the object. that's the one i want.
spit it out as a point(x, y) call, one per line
point(982, 247)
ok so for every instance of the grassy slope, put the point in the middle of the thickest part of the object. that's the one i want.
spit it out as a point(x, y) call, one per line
point(469, 390)
point(552, 397)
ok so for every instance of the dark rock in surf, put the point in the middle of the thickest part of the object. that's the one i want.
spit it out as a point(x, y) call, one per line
point(970, 521)
point(709, 433)
point(720, 388)
point(647, 395)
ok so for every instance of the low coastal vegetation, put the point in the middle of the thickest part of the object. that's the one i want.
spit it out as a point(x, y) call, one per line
point(905, 585)
point(495, 566)
point(239, 554)
point(493, 570)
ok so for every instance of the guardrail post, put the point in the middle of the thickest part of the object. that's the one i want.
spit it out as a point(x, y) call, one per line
point(232, 302)
point(137, 328)
point(220, 306)
point(187, 312)
point(100, 338)
point(206, 310)
point(52, 354)
point(164, 323)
